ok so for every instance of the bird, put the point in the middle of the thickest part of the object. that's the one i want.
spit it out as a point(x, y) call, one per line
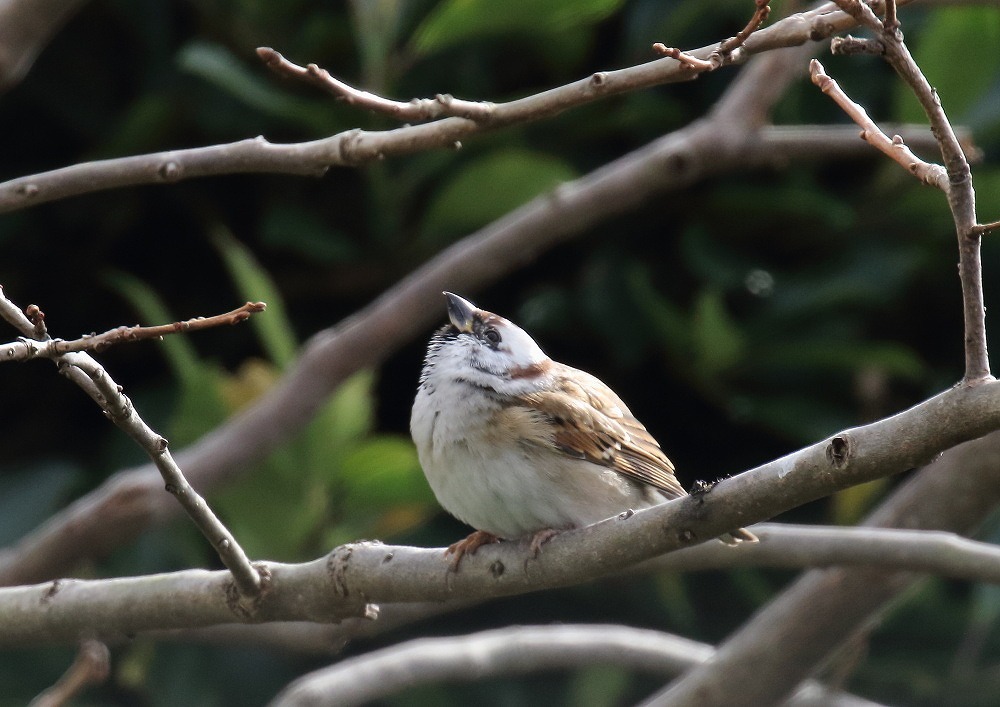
point(516, 444)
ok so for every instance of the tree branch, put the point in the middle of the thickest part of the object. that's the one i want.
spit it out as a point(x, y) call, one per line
point(351, 577)
point(836, 602)
point(894, 148)
point(518, 650)
point(94, 380)
point(782, 545)
point(31, 348)
point(91, 667)
point(441, 106)
point(131, 500)
point(250, 581)
point(25, 28)
point(957, 187)
point(788, 639)
point(356, 147)
point(116, 609)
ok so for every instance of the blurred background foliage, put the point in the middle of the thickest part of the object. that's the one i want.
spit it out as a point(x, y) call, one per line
point(740, 318)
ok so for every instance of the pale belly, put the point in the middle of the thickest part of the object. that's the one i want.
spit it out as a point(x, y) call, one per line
point(513, 488)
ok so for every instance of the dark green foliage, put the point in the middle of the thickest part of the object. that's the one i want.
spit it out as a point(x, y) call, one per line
point(740, 318)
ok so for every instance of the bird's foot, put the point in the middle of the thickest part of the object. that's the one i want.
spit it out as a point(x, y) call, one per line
point(468, 546)
point(540, 538)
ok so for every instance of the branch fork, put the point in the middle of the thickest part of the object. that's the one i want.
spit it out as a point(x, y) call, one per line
point(954, 177)
point(73, 362)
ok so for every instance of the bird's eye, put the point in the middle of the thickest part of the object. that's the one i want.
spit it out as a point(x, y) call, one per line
point(492, 336)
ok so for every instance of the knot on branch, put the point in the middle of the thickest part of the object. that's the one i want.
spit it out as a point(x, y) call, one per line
point(840, 450)
point(848, 46)
point(337, 566)
point(245, 605)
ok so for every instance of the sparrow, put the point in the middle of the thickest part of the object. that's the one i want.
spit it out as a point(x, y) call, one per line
point(515, 444)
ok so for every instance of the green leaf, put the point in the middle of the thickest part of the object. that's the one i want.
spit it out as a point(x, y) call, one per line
point(384, 491)
point(790, 416)
point(455, 21)
point(216, 65)
point(956, 49)
point(305, 234)
point(346, 418)
point(303, 482)
point(200, 405)
point(28, 497)
point(718, 342)
point(382, 471)
point(669, 323)
point(599, 686)
point(273, 327)
point(825, 355)
point(489, 187)
point(181, 355)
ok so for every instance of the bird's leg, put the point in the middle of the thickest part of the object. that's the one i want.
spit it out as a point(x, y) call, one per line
point(469, 546)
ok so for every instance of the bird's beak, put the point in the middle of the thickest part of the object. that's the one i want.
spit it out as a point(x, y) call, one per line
point(460, 312)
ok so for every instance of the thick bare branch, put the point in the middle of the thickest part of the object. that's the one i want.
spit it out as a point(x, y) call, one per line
point(788, 639)
point(760, 15)
point(782, 545)
point(344, 582)
point(507, 651)
point(115, 609)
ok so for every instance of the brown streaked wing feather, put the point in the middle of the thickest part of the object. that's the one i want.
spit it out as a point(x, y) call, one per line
point(593, 423)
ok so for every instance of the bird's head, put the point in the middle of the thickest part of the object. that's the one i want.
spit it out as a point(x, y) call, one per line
point(485, 350)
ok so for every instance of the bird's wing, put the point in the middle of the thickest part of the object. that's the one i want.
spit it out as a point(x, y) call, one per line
point(590, 422)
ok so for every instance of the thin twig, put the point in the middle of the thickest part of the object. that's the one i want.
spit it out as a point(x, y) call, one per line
point(760, 15)
point(37, 318)
point(894, 147)
point(983, 228)
point(91, 666)
point(442, 105)
point(27, 349)
point(120, 410)
point(727, 52)
point(890, 21)
point(686, 60)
